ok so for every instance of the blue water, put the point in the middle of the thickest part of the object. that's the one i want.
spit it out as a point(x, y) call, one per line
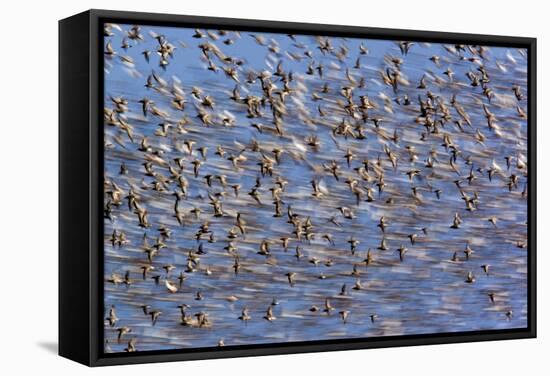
point(426, 293)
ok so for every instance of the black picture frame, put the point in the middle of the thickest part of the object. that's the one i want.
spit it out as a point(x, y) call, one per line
point(81, 187)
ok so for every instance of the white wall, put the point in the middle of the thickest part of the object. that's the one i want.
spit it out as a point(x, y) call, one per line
point(28, 203)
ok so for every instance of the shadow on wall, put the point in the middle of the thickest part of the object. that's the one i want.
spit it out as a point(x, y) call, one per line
point(50, 347)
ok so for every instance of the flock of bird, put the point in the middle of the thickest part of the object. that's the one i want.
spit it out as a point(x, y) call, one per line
point(270, 187)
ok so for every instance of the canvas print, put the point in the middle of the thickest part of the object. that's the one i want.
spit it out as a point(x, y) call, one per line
point(266, 188)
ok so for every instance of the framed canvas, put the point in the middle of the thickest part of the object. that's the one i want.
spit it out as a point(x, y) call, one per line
point(236, 187)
